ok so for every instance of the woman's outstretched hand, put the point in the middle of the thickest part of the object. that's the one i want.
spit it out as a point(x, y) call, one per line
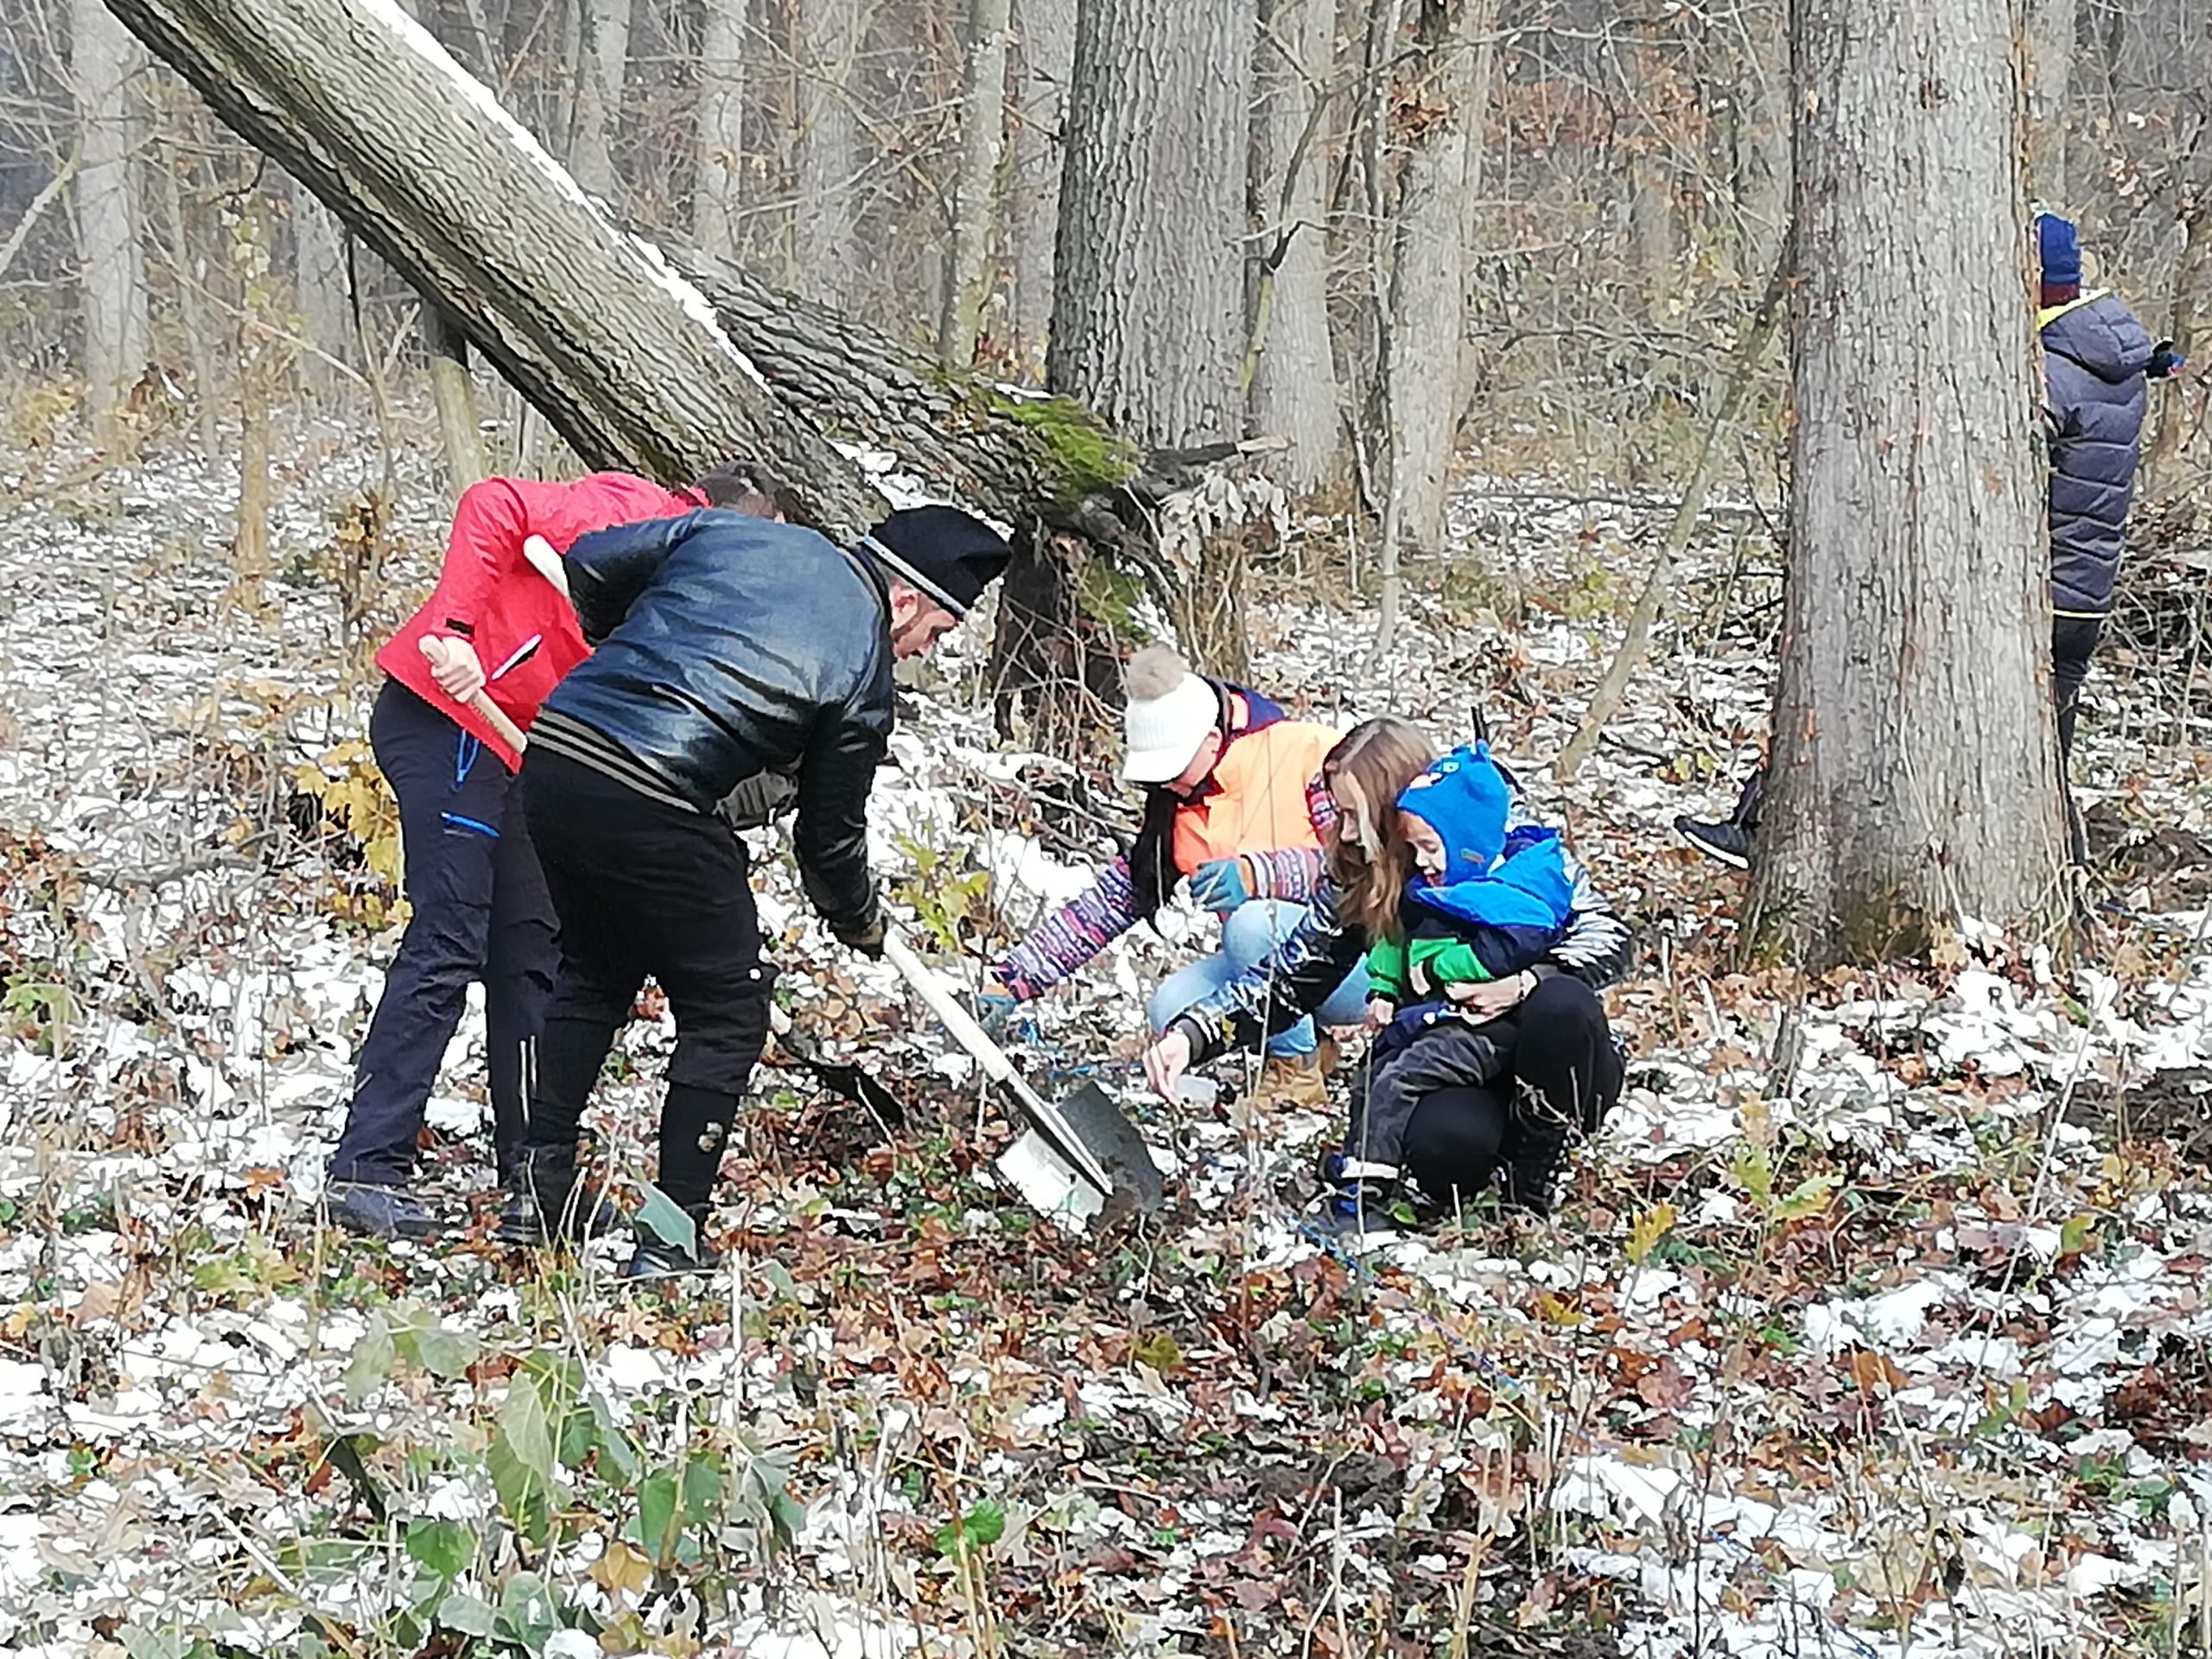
point(1488, 998)
point(1165, 1062)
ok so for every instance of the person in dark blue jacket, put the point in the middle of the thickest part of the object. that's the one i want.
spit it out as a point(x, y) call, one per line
point(726, 647)
point(2097, 359)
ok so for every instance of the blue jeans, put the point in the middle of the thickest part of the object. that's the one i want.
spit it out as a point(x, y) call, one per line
point(1248, 936)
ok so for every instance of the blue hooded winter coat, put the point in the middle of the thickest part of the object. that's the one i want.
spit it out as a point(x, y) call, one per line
point(2094, 352)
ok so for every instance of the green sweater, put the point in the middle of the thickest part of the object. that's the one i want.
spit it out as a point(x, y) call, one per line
point(1423, 967)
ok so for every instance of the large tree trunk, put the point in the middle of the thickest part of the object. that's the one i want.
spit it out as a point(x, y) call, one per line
point(590, 323)
point(1045, 31)
point(1148, 299)
point(716, 189)
point(1914, 754)
point(102, 58)
point(1294, 390)
point(982, 142)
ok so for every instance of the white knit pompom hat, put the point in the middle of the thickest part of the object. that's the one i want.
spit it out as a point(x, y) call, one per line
point(1168, 713)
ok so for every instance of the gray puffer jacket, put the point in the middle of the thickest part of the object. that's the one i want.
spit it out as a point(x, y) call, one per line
point(2094, 352)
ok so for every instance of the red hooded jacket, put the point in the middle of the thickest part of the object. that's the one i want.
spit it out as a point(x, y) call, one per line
point(488, 594)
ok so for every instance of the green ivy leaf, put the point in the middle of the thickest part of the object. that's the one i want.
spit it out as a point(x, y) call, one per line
point(613, 1442)
point(470, 1615)
point(523, 1425)
point(370, 1366)
point(446, 1548)
point(979, 1528)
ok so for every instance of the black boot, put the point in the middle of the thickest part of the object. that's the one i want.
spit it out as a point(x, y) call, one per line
point(1535, 1152)
point(547, 1200)
point(1728, 839)
point(656, 1258)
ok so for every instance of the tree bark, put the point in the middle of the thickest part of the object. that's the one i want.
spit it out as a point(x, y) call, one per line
point(717, 188)
point(1294, 390)
point(103, 59)
point(1418, 353)
point(320, 284)
point(2051, 25)
point(983, 144)
point(602, 64)
point(461, 429)
point(825, 159)
point(1148, 294)
point(1915, 779)
point(1046, 32)
point(589, 322)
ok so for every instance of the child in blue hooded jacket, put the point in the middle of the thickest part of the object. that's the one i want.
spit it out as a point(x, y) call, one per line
point(1481, 904)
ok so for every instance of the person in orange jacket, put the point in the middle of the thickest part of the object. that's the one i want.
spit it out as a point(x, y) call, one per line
point(480, 906)
point(1236, 806)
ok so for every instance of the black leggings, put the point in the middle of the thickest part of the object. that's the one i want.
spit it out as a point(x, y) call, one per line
point(1562, 1049)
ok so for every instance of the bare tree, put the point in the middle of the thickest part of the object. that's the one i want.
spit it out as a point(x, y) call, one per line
point(974, 192)
point(1913, 753)
point(320, 284)
point(1439, 100)
point(716, 189)
point(602, 62)
point(1045, 32)
point(1149, 295)
point(826, 40)
point(1295, 390)
point(103, 61)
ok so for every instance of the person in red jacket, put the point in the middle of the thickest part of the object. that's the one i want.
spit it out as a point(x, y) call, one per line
point(480, 906)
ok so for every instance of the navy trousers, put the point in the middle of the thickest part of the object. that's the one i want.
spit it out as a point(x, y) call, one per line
point(481, 912)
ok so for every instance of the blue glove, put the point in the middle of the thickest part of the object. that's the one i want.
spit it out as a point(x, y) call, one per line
point(2165, 361)
point(994, 1013)
point(1221, 885)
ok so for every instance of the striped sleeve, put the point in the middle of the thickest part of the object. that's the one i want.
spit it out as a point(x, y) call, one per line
point(1072, 936)
point(1278, 992)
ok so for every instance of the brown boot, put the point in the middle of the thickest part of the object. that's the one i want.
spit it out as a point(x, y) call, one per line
point(1298, 1080)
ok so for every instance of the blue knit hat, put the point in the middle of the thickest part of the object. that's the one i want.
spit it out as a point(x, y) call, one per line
point(1464, 798)
point(2060, 246)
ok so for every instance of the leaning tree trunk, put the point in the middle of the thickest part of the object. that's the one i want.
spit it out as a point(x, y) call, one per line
point(1914, 755)
point(589, 322)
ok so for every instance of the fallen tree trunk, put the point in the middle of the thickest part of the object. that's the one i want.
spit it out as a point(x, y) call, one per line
point(664, 363)
point(590, 324)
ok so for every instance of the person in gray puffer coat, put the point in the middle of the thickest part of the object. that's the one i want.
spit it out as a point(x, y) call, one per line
point(2097, 362)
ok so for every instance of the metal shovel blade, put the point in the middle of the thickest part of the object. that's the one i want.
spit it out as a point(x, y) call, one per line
point(1038, 1167)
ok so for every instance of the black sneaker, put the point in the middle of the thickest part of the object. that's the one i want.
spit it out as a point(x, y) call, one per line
point(1360, 1201)
point(656, 1258)
point(378, 1210)
point(1726, 840)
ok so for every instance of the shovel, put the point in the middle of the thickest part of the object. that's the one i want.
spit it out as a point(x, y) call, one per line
point(846, 1082)
point(1080, 1159)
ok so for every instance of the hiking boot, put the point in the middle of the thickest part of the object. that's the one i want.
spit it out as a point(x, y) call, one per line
point(656, 1258)
point(547, 1200)
point(1724, 839)
point(1293, 1080)
point(1359, 1201)
point(378, 1210)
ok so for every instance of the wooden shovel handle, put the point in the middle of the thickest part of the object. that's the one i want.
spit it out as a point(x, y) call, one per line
point(434, 653)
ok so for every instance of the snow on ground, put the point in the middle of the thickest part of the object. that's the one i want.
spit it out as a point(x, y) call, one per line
point(1872, 1322)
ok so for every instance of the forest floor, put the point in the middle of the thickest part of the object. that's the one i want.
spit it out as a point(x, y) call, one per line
point(1872, 1324)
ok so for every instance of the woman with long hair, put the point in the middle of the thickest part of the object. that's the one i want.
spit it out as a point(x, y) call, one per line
point(1549, 1067)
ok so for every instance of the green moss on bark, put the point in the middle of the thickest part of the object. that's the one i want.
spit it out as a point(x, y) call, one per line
point(1083, 455)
